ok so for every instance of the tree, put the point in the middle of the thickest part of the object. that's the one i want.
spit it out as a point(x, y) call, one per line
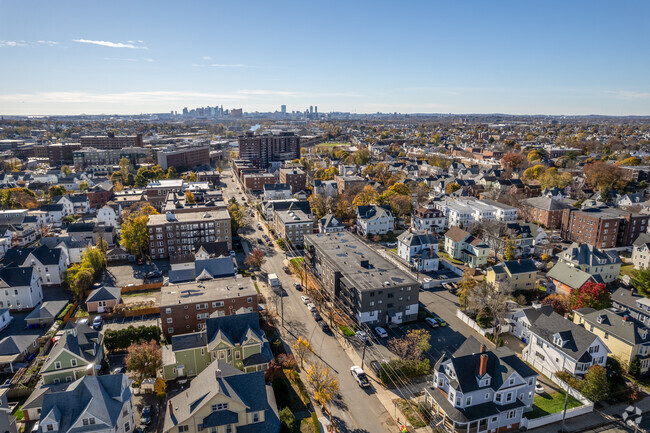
point(491, 300)
point(509, 251)
point(465, 287)
point(326, 173)
point(601, 175)
point(560, 303)
point(324, 383)
point(533, 173)
point(552, 179)
point(56, 191)
point(255, 259)
point(147, 174)
point(361, 157)
point(80, 280)
point(94, 258)
point(66, 170)
point(595, 385)
point(302, 347)
point(591, 295)
point(399, 189)
point(135, 236)
point(171, 173)
point(160, 387)
point(238, 217)
point(452, 187)
point(318, 205)
point(189, 197)
point(368, 195)
point(400, 205)
point(124, 165)
point(287, 421)
point(633, 160)
point(412, 345)
point(641, 281)
point(513, 161)
point(536, 154)
point(83, 186)
point(422, 192)
point(144, 359)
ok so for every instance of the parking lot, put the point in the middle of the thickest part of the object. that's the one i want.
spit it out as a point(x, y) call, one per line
point(132, 273)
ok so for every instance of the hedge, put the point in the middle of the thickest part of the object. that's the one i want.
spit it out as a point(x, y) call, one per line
point(65, 311)
point(123, 338)
point(314, 420)
point(396, 370)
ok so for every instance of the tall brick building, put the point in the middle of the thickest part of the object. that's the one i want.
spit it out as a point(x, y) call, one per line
point(294, 177)
point(544, 211)
point(183, 157)
point(111, 141)
point(603, 227)
point(262, 149)
point(256, 181)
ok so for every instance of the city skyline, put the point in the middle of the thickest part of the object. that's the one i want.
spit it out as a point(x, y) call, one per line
point(510, 57)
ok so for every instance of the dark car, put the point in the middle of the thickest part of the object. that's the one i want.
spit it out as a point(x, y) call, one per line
point(324, 327)
point(154, 274)
point(297, 286)
point(98, 322)
point(260, 241)
point(145, 418)
point(286, 270)
point(316, 315)
point(375, 365)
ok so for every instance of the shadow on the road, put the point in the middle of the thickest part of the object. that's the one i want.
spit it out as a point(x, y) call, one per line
point(342, 428)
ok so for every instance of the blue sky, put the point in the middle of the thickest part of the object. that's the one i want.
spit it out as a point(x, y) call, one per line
point(520, 57)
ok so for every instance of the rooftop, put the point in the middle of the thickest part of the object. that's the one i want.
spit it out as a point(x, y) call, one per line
point(208, 290)
point(218, 214)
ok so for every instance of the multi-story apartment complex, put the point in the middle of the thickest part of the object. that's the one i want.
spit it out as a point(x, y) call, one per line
point(468, 212)
point(428, 218)
point(480, 390)
point(345, 183)
point(256, 181)
point(292, 224)
point(545, 211)
point(294, 177)
point(262, 149)
point(183, 157)
point(57, 153)
point(111, 141)
point(185, 307)
point(603, 227)
point(175, 234)
point(360, 281)
point(89, 156)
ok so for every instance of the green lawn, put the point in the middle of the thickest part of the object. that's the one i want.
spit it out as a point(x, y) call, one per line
point(392, 250)
point(628, 270)
point(546, 404)
point(448, 257)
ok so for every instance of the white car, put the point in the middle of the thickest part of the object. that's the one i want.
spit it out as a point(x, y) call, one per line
point(381, 332)
point(362, 336)
point(305, 299)
point(431, 322)
point(539, 389)
point(311, 307)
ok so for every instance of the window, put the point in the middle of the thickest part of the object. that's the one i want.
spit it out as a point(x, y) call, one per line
point(73, 362)
point(57, 365)
point(170, 330)
point(168, 310)
point(229, 428)
point(222, 354)
point(219, 406)
point(217, 304)
point(497, 397)
point(494, 419)
point(511, 414)
point(237, 355)
point(170, 320)
point(256, 417)
point(50, 427)
point(182, 428)
point(468, 401)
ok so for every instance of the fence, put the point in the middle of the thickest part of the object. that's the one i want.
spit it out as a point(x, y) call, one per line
point(141, 287)
point(141, 311)
point(472, 323)
point(555, 417)
point(70, 312)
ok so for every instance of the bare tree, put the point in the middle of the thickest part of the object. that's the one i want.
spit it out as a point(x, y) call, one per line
point(492, 300)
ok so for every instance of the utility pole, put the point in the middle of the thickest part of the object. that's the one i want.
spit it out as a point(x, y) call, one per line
point(363, 356)
point(281, 306)
point(566, 402)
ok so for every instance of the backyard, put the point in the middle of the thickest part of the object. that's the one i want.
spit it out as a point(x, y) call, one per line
point(547, 404)
point(628, 269)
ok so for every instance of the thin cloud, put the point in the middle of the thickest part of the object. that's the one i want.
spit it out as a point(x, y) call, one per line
point(110, 44)
point(50, 43)
point(13, 44)
point(629, 95)
point(207, 58)
point(120, 59)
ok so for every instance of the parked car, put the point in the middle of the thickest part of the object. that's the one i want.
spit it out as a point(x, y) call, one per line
point(232, 253)
point(316, 315)
point(311, 307)
point(145, 418)
point(326, 329)
point(260, 241)
point(381, 332)
point(304, 299)
point(259, 227)
point(440, 320)
point(286, 270)
point(154, 274)
point(360, 376)
point(362, 336)
point(375, 365)
point(431, 322)
point(297, 286)
point(98, 322)
point(118, 370)
point(140, 261)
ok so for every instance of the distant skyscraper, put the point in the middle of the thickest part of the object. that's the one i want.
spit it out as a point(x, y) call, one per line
point(283, 108)
point(316, 109)
point(185, 111)
point(311, 109)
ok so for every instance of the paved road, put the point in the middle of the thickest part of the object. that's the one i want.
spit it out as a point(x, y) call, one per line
point(357, 410)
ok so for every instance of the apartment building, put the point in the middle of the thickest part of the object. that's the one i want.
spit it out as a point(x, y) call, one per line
point(419, 250)
point(111, 141)
point(262, 149)
point(292, 224)
point(294, 177)
point(641, 251)
point(183, 157)
point(480, 390)
point(428, 218)
point(157, 190)
point(175, 234)
point(256, 181)
point(360, 281)
point(603, 227)
point(375, 220)
point(185, 307)
point(346, 183)
point(545, 211)
point(519, 274)
point(461, 245)
point(604, 265)
point(89, 156)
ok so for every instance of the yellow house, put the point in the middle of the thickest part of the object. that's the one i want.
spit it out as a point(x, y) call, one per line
point(520, 274)
point(625, 337)
point(223, 399)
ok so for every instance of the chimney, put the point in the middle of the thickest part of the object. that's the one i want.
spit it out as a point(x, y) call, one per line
point(519, 261)
point(483, 365)
point(483, 348)
point(171, 409)
point(624, 318)
point(218, 373)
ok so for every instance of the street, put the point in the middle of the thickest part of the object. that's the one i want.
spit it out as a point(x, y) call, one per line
point(357, 410)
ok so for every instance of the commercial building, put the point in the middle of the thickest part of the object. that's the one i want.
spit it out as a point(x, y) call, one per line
point(92, 157)
point(603, 227)
point(361, 282)
point(175, 234)
point(183, 157)
point(111, 141)
point(294, 177)
point(185, 307)
point(262, 149)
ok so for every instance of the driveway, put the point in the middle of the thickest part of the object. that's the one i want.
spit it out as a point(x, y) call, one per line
point(132, 273)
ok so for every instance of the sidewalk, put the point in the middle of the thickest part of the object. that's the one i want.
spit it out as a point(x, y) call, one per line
point(385, 396)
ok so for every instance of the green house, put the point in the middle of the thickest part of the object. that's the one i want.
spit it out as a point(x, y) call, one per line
point(235, 339)
point(79, 352)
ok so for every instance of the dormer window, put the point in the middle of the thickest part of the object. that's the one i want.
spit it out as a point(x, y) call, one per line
point(557, 340)
point(601, 318)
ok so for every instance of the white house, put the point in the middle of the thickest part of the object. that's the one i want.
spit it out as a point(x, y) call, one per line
point(557, 344)
point(420, 250)
point(375, 220)
point(641, 251)
point(48, 263)
point(428, 218)
point(68, 206)
point(277, 191)
point(480, 390)
point(523, 318)
point(20, 288)
point(80, 203)
point(54, 214)
point(329, 224)
point(108, 216)
point(605, 265)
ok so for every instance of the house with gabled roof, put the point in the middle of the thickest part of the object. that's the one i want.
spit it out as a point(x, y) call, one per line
point(520, 274)
point(48, 263)
point(223, 399)
point(602, 264)
point(79, 352)
point(103, 298)
point(90, 404)
point(236, 339)
point(566, 278)
point(419, 250)
point(476, 389)
point(20, 288)
point(374, 220)
point(330, 224)
point(641, 251)
point(557, 344)
point(461, 245)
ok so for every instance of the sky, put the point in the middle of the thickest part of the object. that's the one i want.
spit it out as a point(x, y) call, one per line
point(488, 56)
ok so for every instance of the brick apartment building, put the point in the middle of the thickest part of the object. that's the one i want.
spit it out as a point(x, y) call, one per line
point(603, 227)
point(100, 194)
point(544, 211)
point(262, 149)
point(157, 190)
point(256, 181)
point(173, 234)
point(294, 177)
point(58, 153)
point(184, 307)
point(345, 183)
point(183, 157)
point(88, 157)
point(111, 141)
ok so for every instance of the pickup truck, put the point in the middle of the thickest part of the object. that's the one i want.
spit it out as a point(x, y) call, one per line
point(274, 281)
point(359, 376)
